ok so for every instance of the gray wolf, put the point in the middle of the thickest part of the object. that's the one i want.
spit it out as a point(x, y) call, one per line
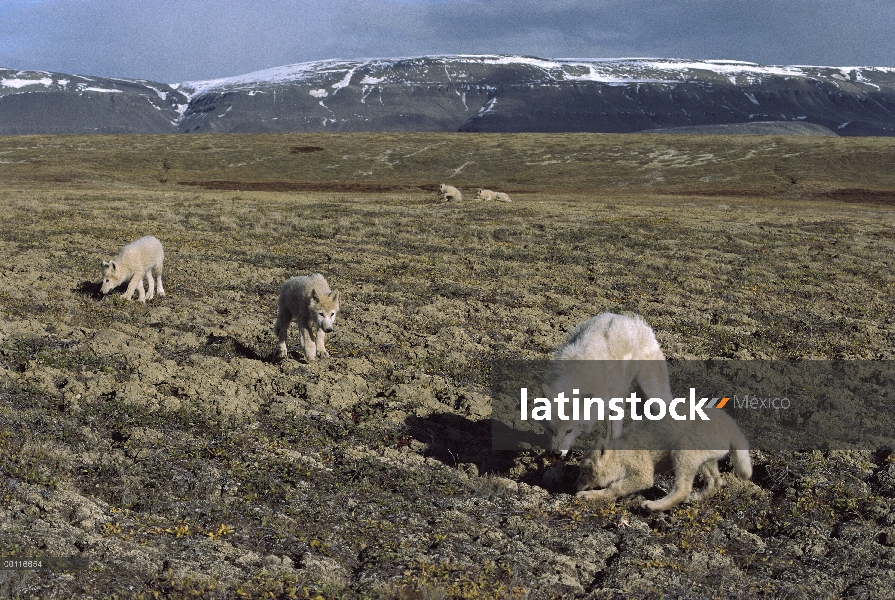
point(309, 301)
point(621, 350)
point(481, 194)
point(139, 259)
point(628, 464)
point(449, 192)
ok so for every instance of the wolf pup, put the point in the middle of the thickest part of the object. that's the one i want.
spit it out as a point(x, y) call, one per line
point(139, 259)
point(449, 193)
point(621, 350)
point(309, 301)
point(627, 464)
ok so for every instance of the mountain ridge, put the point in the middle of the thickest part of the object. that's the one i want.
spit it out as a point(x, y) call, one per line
point(499, 93)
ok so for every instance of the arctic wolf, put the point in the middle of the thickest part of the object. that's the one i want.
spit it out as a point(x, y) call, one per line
point(619, 350)
point(309, 301)
point(139, 259)
point(449, 193)
point(627, 464)
point(481, 194)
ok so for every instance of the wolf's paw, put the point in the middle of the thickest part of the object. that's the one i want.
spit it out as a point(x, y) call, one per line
point(595, 495)
point(323, 353)
point(654, 505)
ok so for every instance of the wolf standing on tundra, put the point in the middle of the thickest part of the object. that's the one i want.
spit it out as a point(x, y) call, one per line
point(628, 464)
point(139, 259)
point(309, 301)
point(619, 350)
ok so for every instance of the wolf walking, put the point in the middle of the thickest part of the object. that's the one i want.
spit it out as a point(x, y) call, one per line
point(309, 301)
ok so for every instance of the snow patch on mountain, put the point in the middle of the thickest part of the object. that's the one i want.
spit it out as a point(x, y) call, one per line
point(20, 83)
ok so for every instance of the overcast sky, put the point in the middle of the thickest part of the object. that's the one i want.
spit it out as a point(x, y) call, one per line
point(183, 40)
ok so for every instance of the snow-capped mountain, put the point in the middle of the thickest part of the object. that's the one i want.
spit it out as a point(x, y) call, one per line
point(460, 93)
point(43, 102)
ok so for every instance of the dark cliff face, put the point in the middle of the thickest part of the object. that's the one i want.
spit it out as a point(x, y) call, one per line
point(37, 102)
point(460, 93)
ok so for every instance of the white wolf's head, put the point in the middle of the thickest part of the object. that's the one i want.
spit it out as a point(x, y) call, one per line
point(561, 434)
point(112, 276)
point(324, 309)
point(600, 467)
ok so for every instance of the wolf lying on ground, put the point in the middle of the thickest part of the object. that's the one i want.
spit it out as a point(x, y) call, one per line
point(621, 350)
point(309, 301)
point(139, 259)
point(628, 464)
point(481, 194)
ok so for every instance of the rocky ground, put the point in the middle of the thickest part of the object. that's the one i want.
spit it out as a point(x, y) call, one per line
point(163, 442)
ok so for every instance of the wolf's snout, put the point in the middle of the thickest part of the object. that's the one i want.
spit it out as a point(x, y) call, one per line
point(328, 329)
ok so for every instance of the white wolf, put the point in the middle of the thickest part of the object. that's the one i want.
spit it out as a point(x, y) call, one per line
point(449, 193)
point(619, 350)
point(628, 464)
point(481, 194)
point(309, 301)
point(139, 259)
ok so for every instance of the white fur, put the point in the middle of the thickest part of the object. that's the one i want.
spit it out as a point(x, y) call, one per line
point(450, 193)
point(492, 195)
point(628, 464)
point(139, 259)
point(626, 352)
point(309, 301)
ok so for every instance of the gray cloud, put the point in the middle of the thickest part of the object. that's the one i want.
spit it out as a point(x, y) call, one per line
point(171, 40)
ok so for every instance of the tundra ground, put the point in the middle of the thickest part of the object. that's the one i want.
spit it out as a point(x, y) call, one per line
point(164, 443)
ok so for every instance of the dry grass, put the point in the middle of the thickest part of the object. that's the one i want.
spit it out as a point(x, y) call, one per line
point(165, 445)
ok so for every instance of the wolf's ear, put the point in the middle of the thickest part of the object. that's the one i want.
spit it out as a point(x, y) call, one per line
point(314, 296)
point(334, 296)
point(113, 265)
point(600, 450)
point(105, 264)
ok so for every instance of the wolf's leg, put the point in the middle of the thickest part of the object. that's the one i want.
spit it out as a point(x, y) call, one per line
point(281, 328)
point(712, 478)
point(633, 482)
point(157, 270)
point(141, 291)
point(321, 349)
point(654, 381)
point(308, 343)
point(614, 430)
point(150, 283)
point(135, 283)
point(138, 286)
point(604, 494)
point(684, 474)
